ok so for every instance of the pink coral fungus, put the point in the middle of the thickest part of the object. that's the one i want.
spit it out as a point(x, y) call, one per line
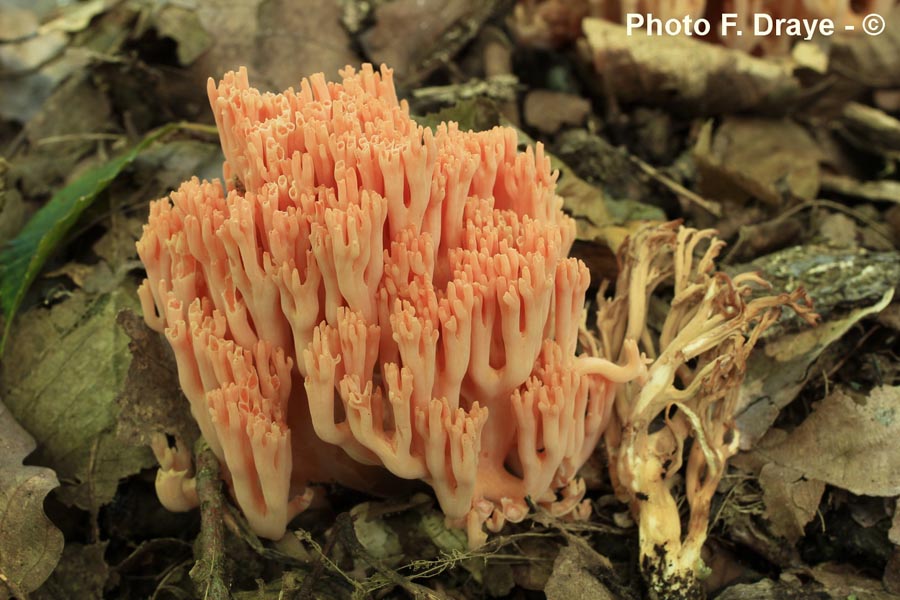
point(367, 284)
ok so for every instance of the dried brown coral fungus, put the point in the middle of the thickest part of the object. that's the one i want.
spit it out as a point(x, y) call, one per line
point(681, 413)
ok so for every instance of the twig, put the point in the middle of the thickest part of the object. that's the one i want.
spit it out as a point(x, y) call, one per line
point(208, 573)
point(714, 208)
point(306, 589)
point(747, 231)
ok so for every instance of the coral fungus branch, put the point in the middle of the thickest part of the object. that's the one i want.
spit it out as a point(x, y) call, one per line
point(365, 291)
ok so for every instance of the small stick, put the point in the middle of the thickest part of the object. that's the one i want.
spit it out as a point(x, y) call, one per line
point(714, 208)
point(208, 573)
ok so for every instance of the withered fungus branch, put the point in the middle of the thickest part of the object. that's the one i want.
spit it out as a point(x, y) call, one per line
point(685, 402)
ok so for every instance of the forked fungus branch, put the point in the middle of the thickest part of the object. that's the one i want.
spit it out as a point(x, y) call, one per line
point(365, 291)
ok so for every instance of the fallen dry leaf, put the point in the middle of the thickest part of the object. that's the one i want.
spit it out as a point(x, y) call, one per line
point(574, 575)
point(845, 583)
point(845, 443)
point(548, 111)
point(825, 586)
point(82, 573)
point(688, 75)
point(791, 500)
point(777, 373)
point(772, 160)
point(871, 130)
point(532, 572)
point(877, 191)
point(17, 23)
point(869, 59)
point(151, 400)
point(839, 230)
point(765, 589)
point(12, 208)
point(30, 544)
point(20, 57)
point(433, 31)
point(59, 134)
point(75, 17)
point(183, 26)
point(279, 42)
point(24, 96)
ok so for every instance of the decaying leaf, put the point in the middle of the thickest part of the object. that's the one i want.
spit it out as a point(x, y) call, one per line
point(574, 575)
point(548, 111)
point(871, 130)
point(17, 23)
point(64, 367)
point(72, 18)
point(772, 160)
point(870, 59)
point(30, 544)
point(477, 113)
point(60, 133)
point(376, 536)
point(777, 372)
point(839, 230)
point(30, 53)
point(765, 589)
point(847, 442)
point(434, 30)
point(151, 400)
point(165, 165)
point(23, 96)
point(791, 587)
point(71, 36)
point(875, 191)
point(183, 26)
point(12, 207)
point(611, 168)
point(277, 40)
point(844, 582)
point(82, 573)
point(686, 74)
point(791, 499)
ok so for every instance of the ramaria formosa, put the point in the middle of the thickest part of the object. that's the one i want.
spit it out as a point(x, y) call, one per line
point(366, 285)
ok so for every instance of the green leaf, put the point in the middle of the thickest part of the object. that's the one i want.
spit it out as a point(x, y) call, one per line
point(22, 258)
